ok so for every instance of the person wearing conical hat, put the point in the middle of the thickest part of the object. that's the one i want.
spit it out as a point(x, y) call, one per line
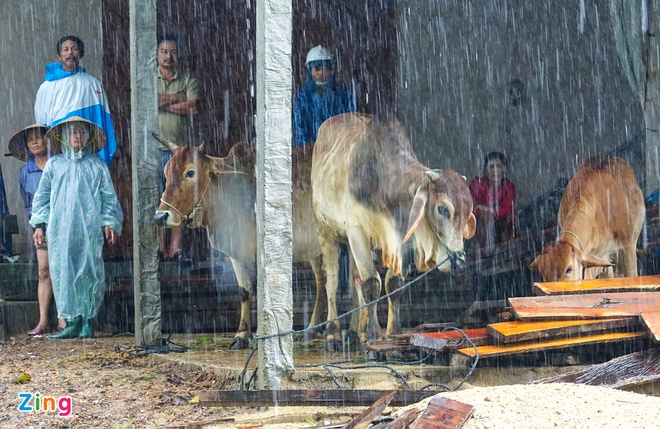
point(77, 201)
point(29, 145)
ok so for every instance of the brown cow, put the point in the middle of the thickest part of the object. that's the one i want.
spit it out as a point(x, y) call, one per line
point(370, 191)
point(600, 217)
point(219, 195)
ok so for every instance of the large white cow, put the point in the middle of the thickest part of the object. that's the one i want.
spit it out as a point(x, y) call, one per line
point(370, 191)
point(219, 195)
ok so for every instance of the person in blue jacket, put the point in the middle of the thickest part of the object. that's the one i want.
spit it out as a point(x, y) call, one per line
point(320, 98)
point(68, 91)
point(30, 146)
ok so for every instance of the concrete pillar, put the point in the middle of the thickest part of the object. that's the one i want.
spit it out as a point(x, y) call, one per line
point(273, 169)
point(145, 172)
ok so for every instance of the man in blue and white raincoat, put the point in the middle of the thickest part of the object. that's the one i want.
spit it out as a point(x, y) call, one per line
point(70, 91)
point(77, 202)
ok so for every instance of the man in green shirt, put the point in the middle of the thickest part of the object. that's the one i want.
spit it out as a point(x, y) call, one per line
point(178, 98)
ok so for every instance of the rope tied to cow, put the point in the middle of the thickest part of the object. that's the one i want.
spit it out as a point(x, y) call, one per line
point(574, 235)
point(454, 256)
point(243, 384)
point(197, 207)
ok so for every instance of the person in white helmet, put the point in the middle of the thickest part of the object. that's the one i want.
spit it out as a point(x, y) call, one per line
point(320, 98)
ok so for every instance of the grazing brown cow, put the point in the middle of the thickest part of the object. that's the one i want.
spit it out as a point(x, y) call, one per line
point(219, 195)
point(370, 191)
point(600, 217)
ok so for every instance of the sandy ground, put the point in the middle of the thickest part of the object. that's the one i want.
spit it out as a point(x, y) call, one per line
point(503, 407)
point(116, 390)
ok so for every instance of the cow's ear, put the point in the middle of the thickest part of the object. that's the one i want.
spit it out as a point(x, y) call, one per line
point(535, 264)
point(591, 261)
point(220, 165)
point(418, 209)
point(470, 227)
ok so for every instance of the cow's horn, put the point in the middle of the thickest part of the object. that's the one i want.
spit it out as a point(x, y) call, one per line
point(169, 144)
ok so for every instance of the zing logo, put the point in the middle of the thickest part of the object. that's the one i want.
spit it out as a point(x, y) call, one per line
point(35, 402)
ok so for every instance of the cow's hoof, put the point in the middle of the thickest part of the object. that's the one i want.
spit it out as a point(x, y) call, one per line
point(239, 343)
point(333, 345)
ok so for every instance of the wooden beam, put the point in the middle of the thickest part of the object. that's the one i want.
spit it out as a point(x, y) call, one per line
point(617, 284)
point(585, 306)
point(450, 339)
point(444, 413)
point(652, 322)
point(364, 419)
point(512, 349)
point(308, 398)
point(404, 419)
point(513, 332)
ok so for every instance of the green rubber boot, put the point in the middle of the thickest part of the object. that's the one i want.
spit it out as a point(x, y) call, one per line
point(86, 331)
point(72, 330)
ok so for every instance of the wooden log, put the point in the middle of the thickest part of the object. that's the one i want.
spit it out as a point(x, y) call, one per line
point(304, 397)
point(404, 419)
point(652, 322)
point(585, 306)
point(364, 419)
point(519, 348)
point(444, 413)
point(514, 332)
point(622, 372)
point(450, 339)
point(617, 284)
point(394, 344)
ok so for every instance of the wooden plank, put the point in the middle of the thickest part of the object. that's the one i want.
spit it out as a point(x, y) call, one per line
point(518, 348)
point(444, 413)
point(618, 284)
point(364, 419)
point(586, 306)
point(513, 332)
point(624, 371)
point(398, 344)
point(304, 397)
point(450, 339)
point(652, 322)
point(404, 419)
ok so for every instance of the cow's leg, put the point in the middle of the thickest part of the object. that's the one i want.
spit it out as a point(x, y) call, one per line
point(356, 295)
point(627, 264)
point(330, 251)
point(370, 285)
point(244, 334)
point(321, 295)
point(392, 283)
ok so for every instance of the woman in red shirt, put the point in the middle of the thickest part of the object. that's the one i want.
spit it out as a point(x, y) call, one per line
point(493, 196)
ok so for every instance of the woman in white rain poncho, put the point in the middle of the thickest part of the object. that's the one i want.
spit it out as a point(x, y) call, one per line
point(77, 202)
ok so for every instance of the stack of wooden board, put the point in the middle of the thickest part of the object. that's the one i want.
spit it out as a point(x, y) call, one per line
point(568, 314)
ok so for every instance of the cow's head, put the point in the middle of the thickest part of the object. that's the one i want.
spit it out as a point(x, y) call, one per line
point(440, 218)
point(189, 174)
point(561, 261)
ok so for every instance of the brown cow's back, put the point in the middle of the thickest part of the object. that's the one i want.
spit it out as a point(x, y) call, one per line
point(604, 191)
point(601, 215)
